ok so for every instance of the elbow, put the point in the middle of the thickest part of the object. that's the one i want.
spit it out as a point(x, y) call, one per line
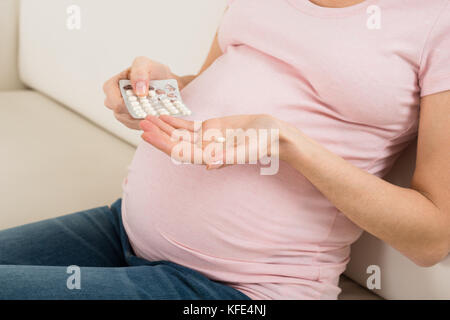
point(434, 244)
point(431, 256)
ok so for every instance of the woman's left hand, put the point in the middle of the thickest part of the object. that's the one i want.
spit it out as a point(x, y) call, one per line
point(216, 142)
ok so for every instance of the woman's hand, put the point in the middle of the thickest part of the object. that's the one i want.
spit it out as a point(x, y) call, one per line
point(140, 73)
point(216, 142)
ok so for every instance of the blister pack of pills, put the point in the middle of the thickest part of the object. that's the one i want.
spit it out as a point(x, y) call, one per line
point(163, 98)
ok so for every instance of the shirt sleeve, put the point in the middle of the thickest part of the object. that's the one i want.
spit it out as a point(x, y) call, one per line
point(434, 70)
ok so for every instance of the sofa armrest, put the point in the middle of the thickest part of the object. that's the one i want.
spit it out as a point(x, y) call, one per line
point(9, 22)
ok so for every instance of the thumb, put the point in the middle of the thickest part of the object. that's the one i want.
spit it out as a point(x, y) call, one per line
point(140, 75)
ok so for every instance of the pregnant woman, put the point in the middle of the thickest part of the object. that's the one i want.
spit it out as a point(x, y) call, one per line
point(348, 84)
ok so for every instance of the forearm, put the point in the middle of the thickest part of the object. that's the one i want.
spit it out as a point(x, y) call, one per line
point(402, 217)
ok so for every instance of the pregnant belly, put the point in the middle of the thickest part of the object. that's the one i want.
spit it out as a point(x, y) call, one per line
point(173, 211)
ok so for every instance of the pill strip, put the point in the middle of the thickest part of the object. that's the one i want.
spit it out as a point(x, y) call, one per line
point(163, 99)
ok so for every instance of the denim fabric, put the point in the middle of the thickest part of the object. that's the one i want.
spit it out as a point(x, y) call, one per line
point(34, 261)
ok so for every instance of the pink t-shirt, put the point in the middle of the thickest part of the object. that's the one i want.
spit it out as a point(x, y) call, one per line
point(350, 78)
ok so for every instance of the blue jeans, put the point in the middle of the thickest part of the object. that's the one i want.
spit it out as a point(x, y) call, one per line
point(34, 261)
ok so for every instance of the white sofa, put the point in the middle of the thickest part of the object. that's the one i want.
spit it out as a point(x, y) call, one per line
point(62, 150)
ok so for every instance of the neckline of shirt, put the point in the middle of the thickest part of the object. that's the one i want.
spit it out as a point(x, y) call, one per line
point(313, 9)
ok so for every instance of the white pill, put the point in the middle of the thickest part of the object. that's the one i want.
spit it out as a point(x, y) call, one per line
point(129, 92)
point(134, 103)
point(220, 139)
point(152, 93)
point(132, 98)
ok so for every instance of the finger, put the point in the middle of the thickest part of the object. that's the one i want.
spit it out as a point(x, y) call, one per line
point(214, 154)
point(181, 123)
point(181, 151)
point(171, 131)
point(114, 100)
point(108, 104)
point(156, 137)
point(212, 139)
point(236, 155)
point(140, 75)
point(216, 165)
point(115, 80)
point(116, 104)
point(127, 120)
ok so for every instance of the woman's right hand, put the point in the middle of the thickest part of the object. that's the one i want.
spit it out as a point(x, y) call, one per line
point(140, 73)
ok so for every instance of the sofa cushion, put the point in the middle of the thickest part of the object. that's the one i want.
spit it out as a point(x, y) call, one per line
point(53, 161)
point(353, 291)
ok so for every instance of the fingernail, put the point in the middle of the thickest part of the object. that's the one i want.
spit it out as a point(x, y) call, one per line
point(140, 88)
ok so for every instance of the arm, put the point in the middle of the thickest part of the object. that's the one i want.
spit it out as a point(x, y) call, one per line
point(416, 220)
